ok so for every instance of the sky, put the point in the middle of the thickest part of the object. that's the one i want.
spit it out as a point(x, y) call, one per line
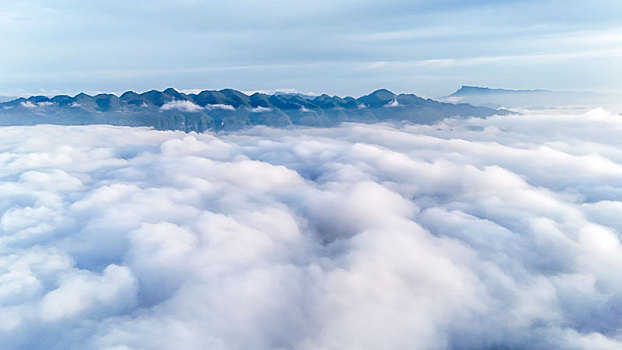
point(339, 47)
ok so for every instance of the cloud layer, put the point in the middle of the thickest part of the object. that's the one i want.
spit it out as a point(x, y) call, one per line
point(469, 234)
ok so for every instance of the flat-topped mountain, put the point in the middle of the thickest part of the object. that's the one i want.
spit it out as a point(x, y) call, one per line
point(478, 90)
point(532, 99)
point(229, 109)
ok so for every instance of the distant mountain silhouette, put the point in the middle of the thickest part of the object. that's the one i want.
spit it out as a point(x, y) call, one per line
point(478, 90)
point(229, 109)
point(533, 99)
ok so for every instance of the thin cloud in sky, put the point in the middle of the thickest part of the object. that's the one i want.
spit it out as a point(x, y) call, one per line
point(278, 42)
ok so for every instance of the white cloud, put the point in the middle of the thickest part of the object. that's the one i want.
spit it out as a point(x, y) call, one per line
point(260, 109)
point(468, 234)
point(186, 106)
point(82, 292)
point(454, 99)
point(393, 103)
point(28, 104)
point(220, 106)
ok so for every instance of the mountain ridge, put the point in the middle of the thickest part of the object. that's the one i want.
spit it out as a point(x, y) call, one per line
point(531, 99)
point(229, 109)
point(470, 90)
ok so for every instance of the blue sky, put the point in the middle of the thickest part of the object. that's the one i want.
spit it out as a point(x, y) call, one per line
point(340, 47)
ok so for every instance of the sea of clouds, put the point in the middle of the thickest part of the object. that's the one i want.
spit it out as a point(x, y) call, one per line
point(498, 233)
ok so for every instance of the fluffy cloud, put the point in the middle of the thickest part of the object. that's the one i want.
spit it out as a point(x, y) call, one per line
point(186, 106)
point(28, 104)
point(220, 106)
point(393, 103)
point(260, 109)
point(468, 234)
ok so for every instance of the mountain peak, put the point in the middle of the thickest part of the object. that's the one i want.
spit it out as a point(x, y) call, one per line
point(382, 93)
point(378, 98)
point(82, 95)
point(170, 91)
point(468, 90)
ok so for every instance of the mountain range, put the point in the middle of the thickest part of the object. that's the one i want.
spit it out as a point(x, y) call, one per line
point(229, 109)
